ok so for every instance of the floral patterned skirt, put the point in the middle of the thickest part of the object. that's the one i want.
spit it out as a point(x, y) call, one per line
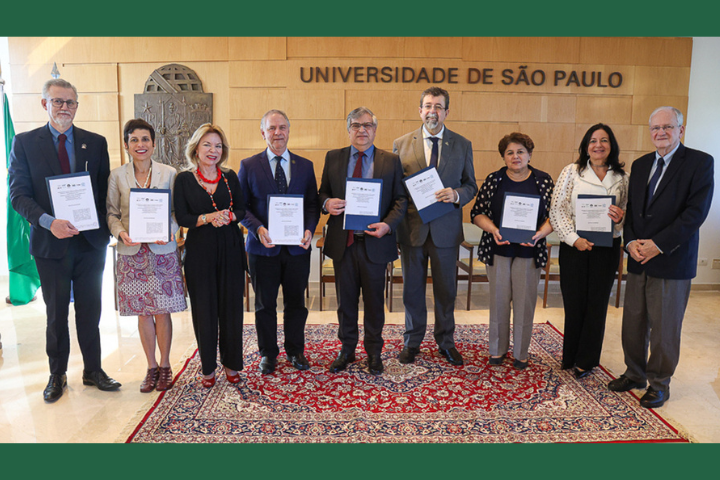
point(149, 284)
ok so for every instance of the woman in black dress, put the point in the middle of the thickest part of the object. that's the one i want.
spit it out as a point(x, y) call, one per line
point(209, 202)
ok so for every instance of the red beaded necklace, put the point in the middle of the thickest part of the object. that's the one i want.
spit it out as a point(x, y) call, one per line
point(204, 180)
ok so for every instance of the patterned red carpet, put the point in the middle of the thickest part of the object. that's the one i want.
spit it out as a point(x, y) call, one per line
point(429, 401)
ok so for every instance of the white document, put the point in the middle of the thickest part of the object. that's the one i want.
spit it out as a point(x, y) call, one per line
point(73, 200)
point(286, 225)
point(422, 187)
point(520, 212)
point(362, 198)
point(591, 214)
point(149, 215)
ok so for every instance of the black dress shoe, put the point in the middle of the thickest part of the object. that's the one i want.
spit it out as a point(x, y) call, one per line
point(55, 386)
point(496, 360)
point(267, 365)
point(654, 398)
point(299, 361)
point(375, 364)
point(520, 365)
point(624, 384)
point(341, 362)
point(452, 355)
point(581, 373)
point(407, 355)
point(100, 380)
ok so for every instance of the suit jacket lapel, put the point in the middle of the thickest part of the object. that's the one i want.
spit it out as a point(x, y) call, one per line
point(419, 149)
point(343, 162)
point(265, 165)
point(81, 154)
point(379, 164)
point(49, 153)
point(447, 141)
point(677, 160)
point(130, 174)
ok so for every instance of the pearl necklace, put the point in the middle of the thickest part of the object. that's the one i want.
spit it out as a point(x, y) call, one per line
point(147, 180)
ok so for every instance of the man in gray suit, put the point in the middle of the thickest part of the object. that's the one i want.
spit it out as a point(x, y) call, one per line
point(439, 239)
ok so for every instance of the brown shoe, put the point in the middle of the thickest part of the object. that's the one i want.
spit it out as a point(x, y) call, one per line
point(165, 380)
point(148, 385)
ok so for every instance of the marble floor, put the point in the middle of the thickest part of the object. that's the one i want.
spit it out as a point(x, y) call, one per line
point(87, 415)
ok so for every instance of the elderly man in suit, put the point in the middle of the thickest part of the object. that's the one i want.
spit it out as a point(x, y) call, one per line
point(271, 172)
point(361, 257)
point(669, 197)
point(64, 255)
point(433, 145)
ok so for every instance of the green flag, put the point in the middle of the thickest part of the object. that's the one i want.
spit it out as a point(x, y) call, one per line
point(24, 278)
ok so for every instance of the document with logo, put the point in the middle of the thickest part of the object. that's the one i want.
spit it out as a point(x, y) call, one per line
point(149, 215)
point(286, 221)
point(592, 221)
point(422, 187)
point(73, 200)
point(362, 202)
point(519, 218)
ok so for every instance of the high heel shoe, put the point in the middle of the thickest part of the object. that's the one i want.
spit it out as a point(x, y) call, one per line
point(232, 378)
point(208, 382)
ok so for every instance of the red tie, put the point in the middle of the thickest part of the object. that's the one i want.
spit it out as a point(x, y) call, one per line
point(63, 155)
point(357, 173)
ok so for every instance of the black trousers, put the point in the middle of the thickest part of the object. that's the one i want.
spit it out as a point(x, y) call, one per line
point(267, 274)
point(354, 272)
point(586, 280)
point(82, 267)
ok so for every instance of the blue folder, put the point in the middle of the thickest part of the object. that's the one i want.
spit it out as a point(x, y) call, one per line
point(361, 222)
point(516, 235)
point(434, 210)
point(600, 239)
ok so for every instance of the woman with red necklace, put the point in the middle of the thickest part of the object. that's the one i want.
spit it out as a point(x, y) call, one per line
point(209, 202)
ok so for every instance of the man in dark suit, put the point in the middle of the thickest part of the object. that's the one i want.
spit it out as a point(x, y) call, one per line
point(272, 172)
point(669, 197)
point(438, 240)
point(361, 257)
point(64, 256)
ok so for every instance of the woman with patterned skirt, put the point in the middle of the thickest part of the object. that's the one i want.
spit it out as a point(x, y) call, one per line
point(149, 276)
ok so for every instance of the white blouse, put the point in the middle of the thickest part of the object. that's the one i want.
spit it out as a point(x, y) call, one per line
point(570, 184)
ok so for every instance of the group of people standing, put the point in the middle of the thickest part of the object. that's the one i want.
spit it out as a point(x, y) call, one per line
point(660, 208)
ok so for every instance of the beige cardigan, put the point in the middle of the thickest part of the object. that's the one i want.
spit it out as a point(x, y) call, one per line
point(121, 180)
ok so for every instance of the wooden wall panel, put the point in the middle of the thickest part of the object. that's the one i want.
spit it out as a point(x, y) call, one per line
point(550, 137)
point(258, 73)
point(662, 81)
point(522, 49)
point(386, 104)
point(371, 47)
point(484, 136)
point(668, 52)
point(93, 107)
point(253, 103)
point(610, 110)
point(433, 47)
point(87, 78)
point(257, 48)
point(643, 106)
point(560, 108)
point(498, 107)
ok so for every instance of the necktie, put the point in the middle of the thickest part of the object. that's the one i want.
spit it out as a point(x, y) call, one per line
point(434, 152)
point(357, 173)
point(280, 178)
point(654, 180)
point(63, 155)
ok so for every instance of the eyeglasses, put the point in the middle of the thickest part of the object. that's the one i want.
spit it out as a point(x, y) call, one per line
point(57, 102)
point(356, 126)
point(664, 128)
point(427, 107)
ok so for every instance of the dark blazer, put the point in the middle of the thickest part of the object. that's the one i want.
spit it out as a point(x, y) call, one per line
point(673, 218)
point(257, 182)
point(32, 160)
point(456, 171)
point(393, 204)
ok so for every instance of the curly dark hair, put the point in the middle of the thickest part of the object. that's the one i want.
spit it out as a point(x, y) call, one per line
point(516, 137)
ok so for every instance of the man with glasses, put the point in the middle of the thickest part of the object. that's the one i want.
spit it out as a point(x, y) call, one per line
point(669, 197)
point(277, 171)
point(361, 257)
point(64, 255)
point(438, 241)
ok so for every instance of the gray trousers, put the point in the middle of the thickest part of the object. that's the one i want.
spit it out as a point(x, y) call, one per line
point(652, 316)
point(513, 281)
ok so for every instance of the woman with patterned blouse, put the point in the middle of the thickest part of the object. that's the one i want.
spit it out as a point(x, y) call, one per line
point(513, 268)
point(587, 271)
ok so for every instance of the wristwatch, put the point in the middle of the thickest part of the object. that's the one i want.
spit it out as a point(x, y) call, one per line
point(204, 219)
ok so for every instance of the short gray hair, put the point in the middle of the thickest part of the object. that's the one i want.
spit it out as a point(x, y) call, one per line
point(271, 112)
point(678, 114)
point(359, 112)
point(57, 82)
